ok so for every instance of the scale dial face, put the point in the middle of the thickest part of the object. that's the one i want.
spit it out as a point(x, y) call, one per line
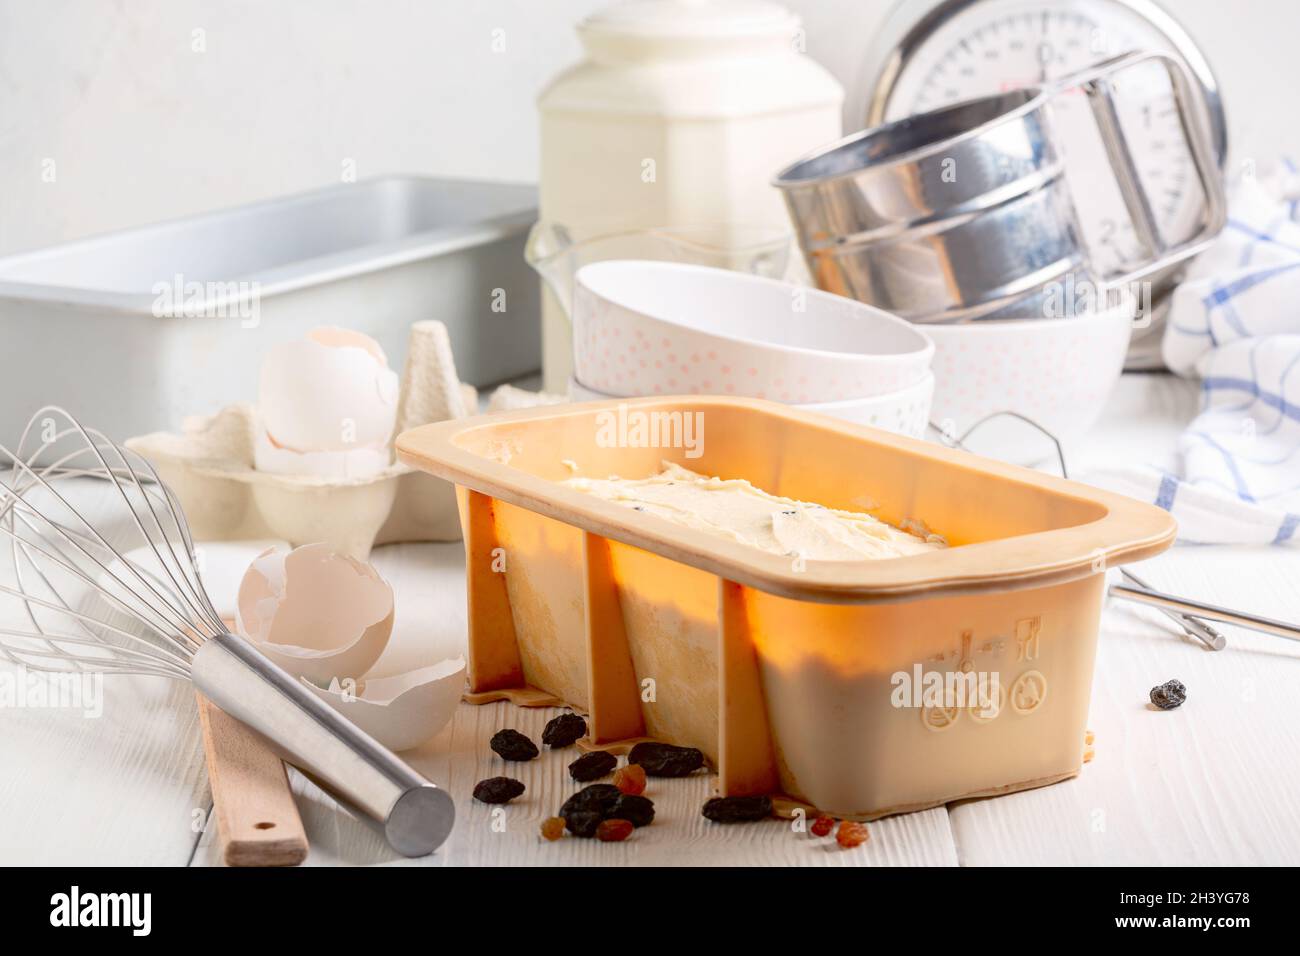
point(989, 46)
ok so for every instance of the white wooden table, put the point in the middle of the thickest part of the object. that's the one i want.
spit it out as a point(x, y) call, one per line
point(1214, 782)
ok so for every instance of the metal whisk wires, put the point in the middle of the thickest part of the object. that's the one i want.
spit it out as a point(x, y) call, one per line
point(122, 593)
point(117, 594)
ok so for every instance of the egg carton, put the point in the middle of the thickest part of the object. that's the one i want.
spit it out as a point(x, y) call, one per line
point(209, 466)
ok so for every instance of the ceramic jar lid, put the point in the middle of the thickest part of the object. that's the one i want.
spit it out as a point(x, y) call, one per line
point(671, 29)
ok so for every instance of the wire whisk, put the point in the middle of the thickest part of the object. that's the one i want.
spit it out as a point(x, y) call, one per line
point(58, 555)
point(123, 594)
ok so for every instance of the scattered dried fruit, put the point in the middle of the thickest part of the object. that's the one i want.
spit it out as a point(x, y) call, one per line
point(852, 834)
point(589, 807)
point(598, 798)
point(638, 810)
point(553, 828)
point(563, 731)
point(823, 825)
point(737, 809)
point(583, 823)
point(592, 766)
point(630, 779)
point(1169, 695)
point(613, 831)
point(665, 760)
point(497, 790)
point(512, 745)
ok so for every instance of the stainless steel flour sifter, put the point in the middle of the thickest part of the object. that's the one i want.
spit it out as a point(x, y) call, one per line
point(124, 595)
point(965, 212)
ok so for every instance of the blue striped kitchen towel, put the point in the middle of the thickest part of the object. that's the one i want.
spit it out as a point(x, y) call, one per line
point(1234, 323)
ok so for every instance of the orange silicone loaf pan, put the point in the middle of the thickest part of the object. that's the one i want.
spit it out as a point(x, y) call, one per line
point(785, 672)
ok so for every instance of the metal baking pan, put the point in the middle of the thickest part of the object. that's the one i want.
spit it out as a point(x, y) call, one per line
point(145, 326)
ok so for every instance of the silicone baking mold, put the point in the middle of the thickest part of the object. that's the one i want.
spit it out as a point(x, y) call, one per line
point(784, 672)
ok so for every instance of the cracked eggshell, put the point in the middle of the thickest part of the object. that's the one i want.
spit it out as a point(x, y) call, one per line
point(221, 568)
point(316, 612)
point(355, 462)
point(332, 391)
point(404, 710)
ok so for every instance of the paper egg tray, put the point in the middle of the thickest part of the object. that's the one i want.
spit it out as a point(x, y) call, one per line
point(211, 467)
point(781, 672)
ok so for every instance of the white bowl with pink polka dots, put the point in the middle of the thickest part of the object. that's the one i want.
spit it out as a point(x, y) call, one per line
point(905, 412)
point(1057, 372)
point(668, 328)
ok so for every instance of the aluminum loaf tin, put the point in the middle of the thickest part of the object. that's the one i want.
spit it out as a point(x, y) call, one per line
point(784, 674)
point(97, 325)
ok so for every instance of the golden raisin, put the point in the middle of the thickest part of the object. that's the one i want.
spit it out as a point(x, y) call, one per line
point(823, 825)
point(852, 834)
point(630, 779)
point(613, 831)
point(553, 828)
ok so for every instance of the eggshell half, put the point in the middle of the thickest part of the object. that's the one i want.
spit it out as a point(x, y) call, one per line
point(356, 462)
point(404, 710)
point(317, 613)
point(222, 565)
point(332, 391)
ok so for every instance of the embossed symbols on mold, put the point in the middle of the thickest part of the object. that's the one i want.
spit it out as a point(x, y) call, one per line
point(987, 711)
point(939, 718)
point(1025, 695)
point(1027, 638)
point(1028, 692)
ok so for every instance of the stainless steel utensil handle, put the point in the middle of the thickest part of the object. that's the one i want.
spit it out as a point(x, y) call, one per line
point(1160, 599)
point(414, 815)
point(1192, 626)
point(1189, 99)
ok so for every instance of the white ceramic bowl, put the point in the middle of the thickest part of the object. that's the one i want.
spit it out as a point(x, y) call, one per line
point(905, 412)
point(667, 328)
point(1057, 372)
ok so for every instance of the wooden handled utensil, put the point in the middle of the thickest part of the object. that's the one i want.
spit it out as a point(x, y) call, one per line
point(257, 820)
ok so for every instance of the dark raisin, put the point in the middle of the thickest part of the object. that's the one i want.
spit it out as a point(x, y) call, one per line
point(640, 811)
point(1169, 695)
point(737, 809)
point(665, 760)
point(583, 823)
point(497, 790)
point(592, 766)
point(512, 745)
point(563, 730)
point(598, 798)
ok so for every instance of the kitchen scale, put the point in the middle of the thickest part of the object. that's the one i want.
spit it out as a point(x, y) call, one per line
point(932, 53)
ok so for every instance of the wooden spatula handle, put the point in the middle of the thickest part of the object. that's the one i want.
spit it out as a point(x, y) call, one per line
point(257, 820)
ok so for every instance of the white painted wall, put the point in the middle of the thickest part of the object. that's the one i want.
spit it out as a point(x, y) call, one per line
point(141, 127)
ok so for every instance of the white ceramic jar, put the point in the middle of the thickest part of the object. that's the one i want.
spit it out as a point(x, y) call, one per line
point(680, 115)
